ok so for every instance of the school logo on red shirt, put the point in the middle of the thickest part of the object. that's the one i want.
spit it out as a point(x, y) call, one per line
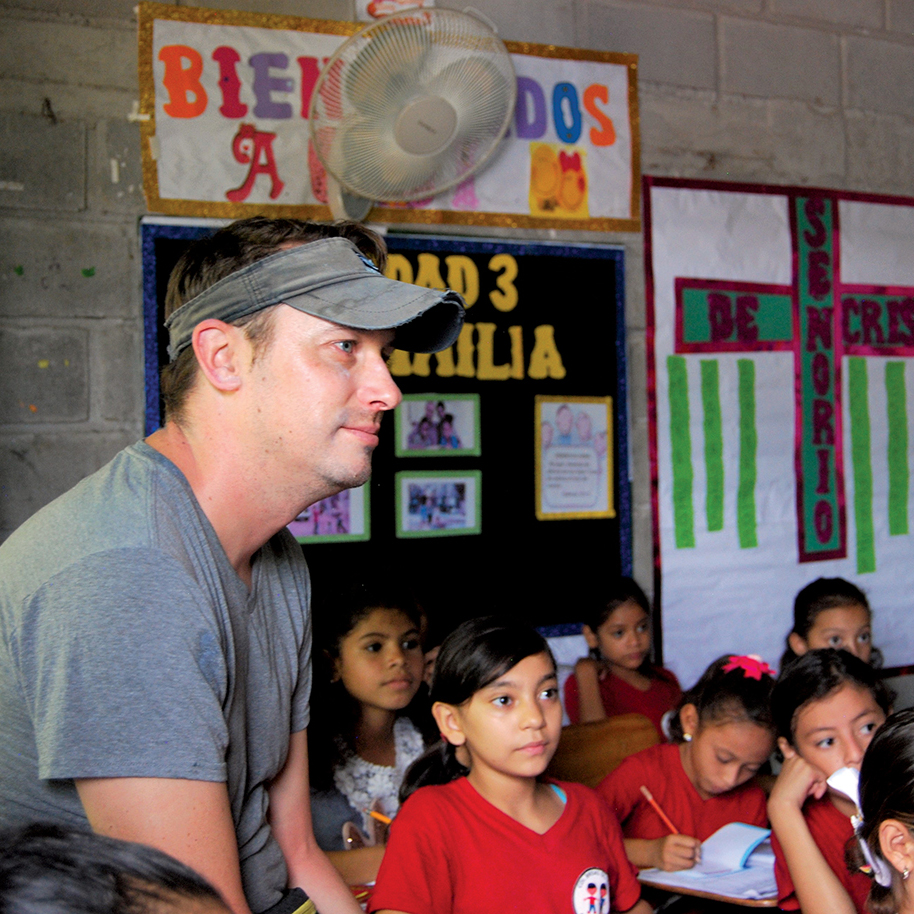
point(591, 893)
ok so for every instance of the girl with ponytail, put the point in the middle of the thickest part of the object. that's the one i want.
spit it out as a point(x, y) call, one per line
point(886, 833)
point(481, 831)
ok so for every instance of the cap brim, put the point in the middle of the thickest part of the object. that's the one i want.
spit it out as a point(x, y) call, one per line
point(424, 320)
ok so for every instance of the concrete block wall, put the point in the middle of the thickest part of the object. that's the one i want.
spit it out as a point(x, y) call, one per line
point(813, 92)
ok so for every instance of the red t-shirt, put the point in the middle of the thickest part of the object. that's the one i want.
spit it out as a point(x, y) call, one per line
point(831, 830)
point(452, 852)
point(659, 768)
point(619, 697)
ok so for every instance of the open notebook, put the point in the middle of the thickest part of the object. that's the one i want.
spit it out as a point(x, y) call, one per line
point(736, 862)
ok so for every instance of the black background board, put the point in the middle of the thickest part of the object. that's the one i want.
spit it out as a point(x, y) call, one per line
point(538, 570)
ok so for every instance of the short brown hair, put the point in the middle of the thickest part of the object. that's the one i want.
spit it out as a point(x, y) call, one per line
point(230, 249)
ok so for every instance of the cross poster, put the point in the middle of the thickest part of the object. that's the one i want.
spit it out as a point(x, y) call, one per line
point(780, 339)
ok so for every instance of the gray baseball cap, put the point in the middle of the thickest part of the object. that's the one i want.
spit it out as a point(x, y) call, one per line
point(333, 280)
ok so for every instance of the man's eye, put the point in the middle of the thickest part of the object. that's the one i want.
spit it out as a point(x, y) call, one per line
point(346, 346)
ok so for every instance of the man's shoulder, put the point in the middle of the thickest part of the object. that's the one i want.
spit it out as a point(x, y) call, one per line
point(105, 502)
point(124, 508)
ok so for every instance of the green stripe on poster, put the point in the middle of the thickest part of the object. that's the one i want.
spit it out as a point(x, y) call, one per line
point(714, 444)
point(899, 475)
point(681, 452)
point(748, 447)
point(859, 410)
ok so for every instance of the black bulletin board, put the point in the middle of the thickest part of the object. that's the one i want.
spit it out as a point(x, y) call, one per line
point(537, 569)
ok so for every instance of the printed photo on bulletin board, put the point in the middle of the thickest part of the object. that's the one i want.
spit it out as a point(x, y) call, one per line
point(527, 335)
point(574, 457)
point(438, 504)
point(437, 426)
point(337, 519)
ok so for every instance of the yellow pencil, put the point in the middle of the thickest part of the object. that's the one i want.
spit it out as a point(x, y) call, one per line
point(378, 815)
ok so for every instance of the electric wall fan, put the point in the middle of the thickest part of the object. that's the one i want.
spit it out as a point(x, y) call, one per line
point(409, 106)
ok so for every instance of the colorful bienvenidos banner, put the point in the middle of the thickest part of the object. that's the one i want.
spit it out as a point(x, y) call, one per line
point(226, 100)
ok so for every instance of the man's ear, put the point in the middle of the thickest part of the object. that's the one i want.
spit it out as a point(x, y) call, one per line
point(797, 644)
point(216, 346)
point(590, 637)
point(448, 719)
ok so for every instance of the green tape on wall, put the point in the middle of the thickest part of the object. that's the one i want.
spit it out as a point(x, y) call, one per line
point(859, 410)
point(748, 448)
point(681, 452)
point(899, 475)
point(714, 444)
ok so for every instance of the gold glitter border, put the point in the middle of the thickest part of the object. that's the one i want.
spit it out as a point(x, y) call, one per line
point(148, 12)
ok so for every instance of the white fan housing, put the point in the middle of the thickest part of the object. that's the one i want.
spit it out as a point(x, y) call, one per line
point(412, 104)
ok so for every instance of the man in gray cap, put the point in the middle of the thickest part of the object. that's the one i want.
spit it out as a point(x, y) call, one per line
point(154, 621)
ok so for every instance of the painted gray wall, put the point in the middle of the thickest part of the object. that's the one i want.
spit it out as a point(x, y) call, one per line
point(817, 92)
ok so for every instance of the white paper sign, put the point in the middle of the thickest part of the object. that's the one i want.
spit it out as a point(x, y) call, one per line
point(783, 391)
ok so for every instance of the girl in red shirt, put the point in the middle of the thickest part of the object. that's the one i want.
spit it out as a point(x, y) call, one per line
point(618, 677)
point(827, 706)
point(480, 831)
point(724, 734)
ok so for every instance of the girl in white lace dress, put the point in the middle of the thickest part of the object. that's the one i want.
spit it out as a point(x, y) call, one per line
point(369, 721)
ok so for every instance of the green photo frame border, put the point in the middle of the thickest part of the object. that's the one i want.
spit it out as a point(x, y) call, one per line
point(400, 430)
point(451, 475)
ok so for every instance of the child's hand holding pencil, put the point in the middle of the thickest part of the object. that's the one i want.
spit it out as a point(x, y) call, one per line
point(678, 852)
point(675, 851)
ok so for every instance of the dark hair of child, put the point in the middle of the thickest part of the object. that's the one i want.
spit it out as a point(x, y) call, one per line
point(728, 692)
point(816, 597)
point(886, 792)
point(596, 612)
point(45, 868)
point(815, 676)
point(476, 653)
point(334, 712)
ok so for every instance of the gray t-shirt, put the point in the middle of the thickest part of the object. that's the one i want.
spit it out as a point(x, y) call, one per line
point(129, 647)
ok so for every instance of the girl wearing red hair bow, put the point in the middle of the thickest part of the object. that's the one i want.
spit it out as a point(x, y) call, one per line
point(723, 734)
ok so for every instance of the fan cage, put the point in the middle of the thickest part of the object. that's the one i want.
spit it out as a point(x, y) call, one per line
point(382, 70)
